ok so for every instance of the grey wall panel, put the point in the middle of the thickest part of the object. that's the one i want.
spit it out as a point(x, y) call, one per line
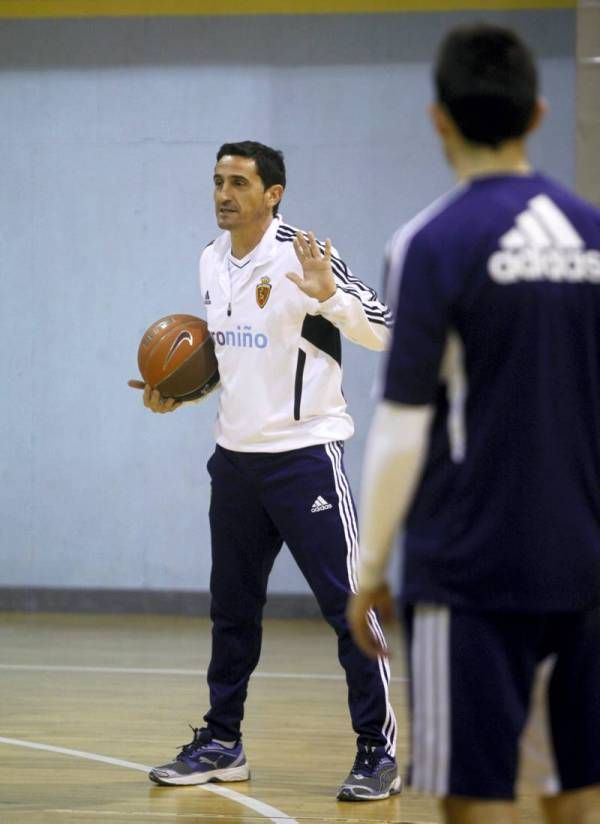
point(108, 134)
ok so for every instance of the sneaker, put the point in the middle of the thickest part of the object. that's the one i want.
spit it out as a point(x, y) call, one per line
point(203, 760)
point(373, 776)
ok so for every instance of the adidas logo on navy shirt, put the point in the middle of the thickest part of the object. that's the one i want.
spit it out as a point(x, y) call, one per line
point(320, 504)
point(543, 245)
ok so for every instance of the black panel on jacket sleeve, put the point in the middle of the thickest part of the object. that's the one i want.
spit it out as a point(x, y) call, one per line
point(324, 335)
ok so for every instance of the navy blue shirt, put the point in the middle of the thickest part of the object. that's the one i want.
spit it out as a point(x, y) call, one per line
point(507, 513)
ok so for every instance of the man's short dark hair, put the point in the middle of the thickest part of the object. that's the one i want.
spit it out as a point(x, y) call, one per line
point(270, 165)
point(485, 76)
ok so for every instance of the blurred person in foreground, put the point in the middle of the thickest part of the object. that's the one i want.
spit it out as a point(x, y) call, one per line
point(485, 450)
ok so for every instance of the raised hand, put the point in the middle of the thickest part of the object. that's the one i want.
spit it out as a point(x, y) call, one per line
point(318, 280)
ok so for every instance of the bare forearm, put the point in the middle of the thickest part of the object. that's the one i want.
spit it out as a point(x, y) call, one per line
point(392, 467)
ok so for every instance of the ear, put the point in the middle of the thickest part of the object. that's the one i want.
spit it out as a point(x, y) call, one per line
point(274, 194)
point(440, 118)
point(539, 112)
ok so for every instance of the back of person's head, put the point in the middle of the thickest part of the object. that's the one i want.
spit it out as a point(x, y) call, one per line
point(270, 165)
point(485, 77)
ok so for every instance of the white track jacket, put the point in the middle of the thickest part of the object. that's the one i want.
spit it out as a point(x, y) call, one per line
point(279, 351)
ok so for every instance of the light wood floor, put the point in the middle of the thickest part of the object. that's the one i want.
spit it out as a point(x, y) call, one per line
point(63, 683)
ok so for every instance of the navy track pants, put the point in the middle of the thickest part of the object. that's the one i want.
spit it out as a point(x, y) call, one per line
point(258, 501)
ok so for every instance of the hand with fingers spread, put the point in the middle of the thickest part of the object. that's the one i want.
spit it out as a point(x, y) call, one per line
point(318, 280)
point(153, 400)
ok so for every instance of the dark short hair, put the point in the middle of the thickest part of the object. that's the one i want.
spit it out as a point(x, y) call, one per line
point(270, 165)
point(485, 76)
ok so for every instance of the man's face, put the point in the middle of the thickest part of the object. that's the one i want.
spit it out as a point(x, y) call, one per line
point(241, 199)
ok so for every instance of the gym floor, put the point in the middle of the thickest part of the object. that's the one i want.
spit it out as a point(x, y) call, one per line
point(89, 702)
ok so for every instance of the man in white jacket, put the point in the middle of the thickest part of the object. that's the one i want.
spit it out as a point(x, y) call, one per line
point(276, 301)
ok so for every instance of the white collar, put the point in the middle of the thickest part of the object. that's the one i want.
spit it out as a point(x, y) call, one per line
point(260, 254)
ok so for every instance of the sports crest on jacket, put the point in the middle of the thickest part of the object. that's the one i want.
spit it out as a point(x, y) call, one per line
point(263, 290)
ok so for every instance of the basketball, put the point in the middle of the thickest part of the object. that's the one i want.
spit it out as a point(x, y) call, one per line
point(176, 355)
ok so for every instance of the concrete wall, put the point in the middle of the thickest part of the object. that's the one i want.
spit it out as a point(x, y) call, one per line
point(108, 133)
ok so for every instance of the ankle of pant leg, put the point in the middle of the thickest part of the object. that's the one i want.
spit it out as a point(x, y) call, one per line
point(222, 733)
point(374, 745)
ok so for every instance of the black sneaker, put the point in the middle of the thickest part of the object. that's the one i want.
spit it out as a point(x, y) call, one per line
point(373, 776)
point(203, 760)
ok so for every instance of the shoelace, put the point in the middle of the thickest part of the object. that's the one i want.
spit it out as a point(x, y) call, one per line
point(201, 736)
point(365, 761)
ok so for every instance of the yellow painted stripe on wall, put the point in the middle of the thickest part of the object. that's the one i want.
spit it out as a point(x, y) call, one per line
point(171, 8)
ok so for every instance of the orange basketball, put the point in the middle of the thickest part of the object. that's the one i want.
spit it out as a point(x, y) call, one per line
point(177, 356)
